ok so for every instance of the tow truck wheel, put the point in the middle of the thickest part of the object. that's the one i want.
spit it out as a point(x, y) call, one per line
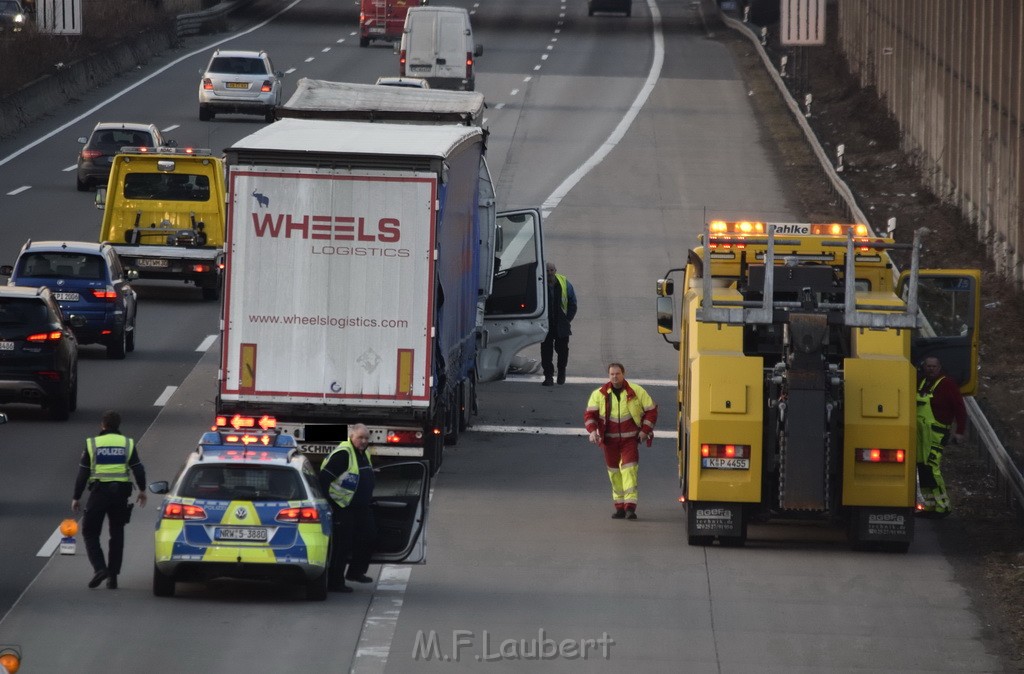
point(364, 42)
point(163, 585)
point(699, 540)
point(316, 589)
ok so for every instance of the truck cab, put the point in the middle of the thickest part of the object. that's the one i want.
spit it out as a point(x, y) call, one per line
point(164, 214)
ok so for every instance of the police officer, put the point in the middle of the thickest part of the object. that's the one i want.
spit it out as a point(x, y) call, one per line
point(346, 475)
point(561, 310)
point(105, 464)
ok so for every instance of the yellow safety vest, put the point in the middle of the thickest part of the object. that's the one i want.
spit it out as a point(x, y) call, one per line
point(564, 283)
point(109, 455)
point(343, 488)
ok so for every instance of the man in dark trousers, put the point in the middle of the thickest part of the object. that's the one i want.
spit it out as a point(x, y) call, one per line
point(104, 467)
point(561, 311)
point(346, 476)
point(940, 414)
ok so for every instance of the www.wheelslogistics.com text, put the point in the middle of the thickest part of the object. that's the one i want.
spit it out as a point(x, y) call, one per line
point(329, 321)
point(482, 646)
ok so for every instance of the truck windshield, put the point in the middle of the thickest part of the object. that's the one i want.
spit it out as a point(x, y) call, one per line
point(167, 186)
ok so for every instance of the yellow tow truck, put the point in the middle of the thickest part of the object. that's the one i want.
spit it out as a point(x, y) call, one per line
point(797, 388)
point(164, 214)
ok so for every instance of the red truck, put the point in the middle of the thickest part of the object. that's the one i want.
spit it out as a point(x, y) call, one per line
point(383, 19)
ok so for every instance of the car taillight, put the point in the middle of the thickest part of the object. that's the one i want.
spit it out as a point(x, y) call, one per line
point(875, 455)
point(49, 375)
point(201, 268)
point(91, 154)
point(108, 295)
point(208, 84)
point(266, 86)
point(722, 451)
point(53, 336)
point(469, 64)
point(306, 514)
point(183, 511)
point(401, 63)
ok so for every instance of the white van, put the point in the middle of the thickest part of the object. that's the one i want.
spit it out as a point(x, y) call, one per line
point(437, 45)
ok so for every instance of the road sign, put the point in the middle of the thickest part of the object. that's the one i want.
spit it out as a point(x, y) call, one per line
point(802, 22)
point(59, 17)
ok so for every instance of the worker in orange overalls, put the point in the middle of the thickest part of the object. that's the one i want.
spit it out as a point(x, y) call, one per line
point(619, 416)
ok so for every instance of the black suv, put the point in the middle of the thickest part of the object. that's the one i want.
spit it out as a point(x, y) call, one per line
point(38, 351)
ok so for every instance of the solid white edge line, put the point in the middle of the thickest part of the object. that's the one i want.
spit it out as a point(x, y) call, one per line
point(205, 345)
point(645, 92)
point(99, 106)
point(165, 396)
point(50, 546)
point(381, 620)
point(172, 127)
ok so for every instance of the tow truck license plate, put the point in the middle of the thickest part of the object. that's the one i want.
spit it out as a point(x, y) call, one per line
point(6, 346)
point(150, 262)
point(727, 464)
point(241, 534)
point(66, 297)
point(238, 85)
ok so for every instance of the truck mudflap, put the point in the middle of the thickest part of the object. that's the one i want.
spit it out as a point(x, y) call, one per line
point(882, 525)
point(707, 520)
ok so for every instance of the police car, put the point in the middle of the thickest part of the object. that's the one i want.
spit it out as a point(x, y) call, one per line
point(246, 504)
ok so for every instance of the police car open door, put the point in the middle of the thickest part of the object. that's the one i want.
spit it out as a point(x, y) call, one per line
point(950, 300)
point(400, 510)
point(515, 314)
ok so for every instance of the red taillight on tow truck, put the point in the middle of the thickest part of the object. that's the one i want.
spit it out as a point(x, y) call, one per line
point(875, 455)
point(183, 511)
point(299, 515)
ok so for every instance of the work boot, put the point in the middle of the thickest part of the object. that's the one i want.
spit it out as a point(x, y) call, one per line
point(630, 514)
point(561, 377)
point(619, 514)
point(548, 381)
point(112, 582)
point(361, 578)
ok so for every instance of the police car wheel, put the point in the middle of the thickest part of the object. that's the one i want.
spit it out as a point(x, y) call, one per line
point(163, 585)
point(316, 589)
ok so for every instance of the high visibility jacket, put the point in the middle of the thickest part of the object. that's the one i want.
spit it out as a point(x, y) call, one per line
point(624, 416)
point(343, 487)
point(564, 284)
point(925, 412)
point(109, 455)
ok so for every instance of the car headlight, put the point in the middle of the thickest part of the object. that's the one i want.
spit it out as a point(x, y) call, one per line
point(19, 18)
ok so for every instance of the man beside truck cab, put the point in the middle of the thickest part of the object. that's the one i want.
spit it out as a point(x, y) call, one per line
point(346, 476)
point(940, 414)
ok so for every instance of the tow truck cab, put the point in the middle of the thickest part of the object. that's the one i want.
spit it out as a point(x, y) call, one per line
point(164, 213)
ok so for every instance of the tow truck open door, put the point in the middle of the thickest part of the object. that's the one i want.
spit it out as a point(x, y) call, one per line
point(400, 511)
point(515, 315)
point(950, 300)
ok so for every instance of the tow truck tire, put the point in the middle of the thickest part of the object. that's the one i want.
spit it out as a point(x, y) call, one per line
point(118, 347)
point(163, 585)
point(364, 42)
point(316, 589)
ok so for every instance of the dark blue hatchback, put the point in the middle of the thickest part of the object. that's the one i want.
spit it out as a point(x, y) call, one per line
point(87, 280)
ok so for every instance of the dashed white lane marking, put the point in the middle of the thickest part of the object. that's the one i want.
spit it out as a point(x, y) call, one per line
point(325, 50)
point(172, 127)
point(70, 168)
point(499, 106)
point(514, 92)
point(51, 544)
point(536, 67)
point(19, 190)
point(311, 58)
point(205, 345)
point(638, 103)
point(341, 40)
point(290, 71)
point(165, 396)
point(381, 620)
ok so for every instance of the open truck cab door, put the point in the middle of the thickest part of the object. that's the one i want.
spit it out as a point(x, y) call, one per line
point(400, 511)
point(950, 300)
point(515, 314)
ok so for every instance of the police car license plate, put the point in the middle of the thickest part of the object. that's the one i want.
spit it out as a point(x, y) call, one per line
point(238, 85)
point(66, 297)
point(6, 346)
point(151, 263)
point(240, 534)
point(726, 464)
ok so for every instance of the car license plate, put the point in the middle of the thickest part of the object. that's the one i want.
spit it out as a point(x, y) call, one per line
point(377, 29)
point(66, 297)
point(238, 85)
point(726, 464)
point(426, 67)
point(6, 346)
point(156, 263)
point(241, 534)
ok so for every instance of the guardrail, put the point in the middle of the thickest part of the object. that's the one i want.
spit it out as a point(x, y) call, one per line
point(1009, 475)
point(194, 23)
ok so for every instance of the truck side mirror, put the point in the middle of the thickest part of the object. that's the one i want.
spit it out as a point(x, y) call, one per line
point(478, 50)
point(101, 197)
point(6, 270)
point(665, 319)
